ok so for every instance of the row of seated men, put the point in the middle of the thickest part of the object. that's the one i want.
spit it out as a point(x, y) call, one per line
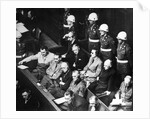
point(27, 100)
point(71, 74)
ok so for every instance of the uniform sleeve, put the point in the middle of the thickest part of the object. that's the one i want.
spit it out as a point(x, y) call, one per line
point(129, 56)
point(98, 32)
point(112, 45)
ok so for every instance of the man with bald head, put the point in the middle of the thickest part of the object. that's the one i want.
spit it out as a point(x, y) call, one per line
point(104, 84)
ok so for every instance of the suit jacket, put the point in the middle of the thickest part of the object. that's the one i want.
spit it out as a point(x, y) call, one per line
point(66, 79)
point(80, 60)
point(93, 68)
point(106, 80)
point(31, 105)
point(79, 88)
point(78, 103)
point(54, 70)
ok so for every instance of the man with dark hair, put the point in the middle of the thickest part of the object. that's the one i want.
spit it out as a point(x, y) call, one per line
point(75, 102)
point(92, 70)
point(30, 103)
point(53, 72)
point(44, 57)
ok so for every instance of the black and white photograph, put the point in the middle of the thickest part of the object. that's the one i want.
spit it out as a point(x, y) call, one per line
point(81, 56)
point(71, 59)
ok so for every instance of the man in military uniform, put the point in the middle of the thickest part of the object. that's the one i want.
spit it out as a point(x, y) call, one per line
point(92, 32)
point(69, 30)
point(124, 57)
point(107, 44)
point(20, 47)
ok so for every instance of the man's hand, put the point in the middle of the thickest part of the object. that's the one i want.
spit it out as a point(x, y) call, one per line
point(74, 65)
point(61, 83)
point(107, 92)
point(21, 62)
point(63, 56)
point(23, 55)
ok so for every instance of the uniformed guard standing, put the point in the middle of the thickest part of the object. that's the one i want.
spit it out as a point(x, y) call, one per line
point(107, 44)
point(124, 57)
point(70, 29)
point(93, 33)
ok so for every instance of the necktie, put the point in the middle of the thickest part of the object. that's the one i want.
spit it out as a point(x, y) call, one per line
point(76, 58)
point(91, 61)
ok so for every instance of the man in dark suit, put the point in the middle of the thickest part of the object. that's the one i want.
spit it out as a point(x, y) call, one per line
point(77, 58)
point(75, 102)
point(62, 83)
point(29, 102)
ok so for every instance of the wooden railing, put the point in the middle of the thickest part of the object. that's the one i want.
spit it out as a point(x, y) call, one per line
point(48, 96)
point(29, 77)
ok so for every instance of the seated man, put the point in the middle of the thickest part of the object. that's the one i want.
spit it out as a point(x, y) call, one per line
point(77, 58)
point(77, 86)
point(53, 71)
point(30, 103)
point(106, 78)
point(62, 83)
point(44, 57)
point(74, 102)
point(94, 105)
point(123, 97)
point(92, 70)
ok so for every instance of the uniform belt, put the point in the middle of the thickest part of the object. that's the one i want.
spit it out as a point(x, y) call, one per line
point(94, 40)
point(105, 50)
point(122, 61)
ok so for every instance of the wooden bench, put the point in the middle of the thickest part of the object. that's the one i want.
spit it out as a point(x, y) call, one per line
point(30, 78)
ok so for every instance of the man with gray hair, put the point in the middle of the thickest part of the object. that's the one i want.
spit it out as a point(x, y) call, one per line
point(124, 96)
point(63, 82)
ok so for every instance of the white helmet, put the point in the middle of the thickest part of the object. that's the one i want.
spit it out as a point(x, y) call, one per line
point(104, 27)
point(18, 34)
point(71, 18)
point(122, 35)
point(93, 17)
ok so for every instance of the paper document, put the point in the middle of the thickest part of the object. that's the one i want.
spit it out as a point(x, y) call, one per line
point(116, 102)
point(60, 100)
point(23, 67)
